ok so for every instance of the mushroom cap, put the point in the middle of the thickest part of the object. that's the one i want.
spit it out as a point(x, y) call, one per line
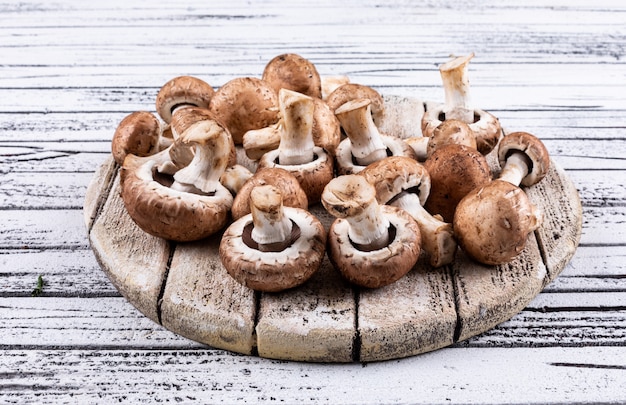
point(486, 127)
point(293, 72)
point(292, 193)
point(396, 174)
point(346, 164)
point(185, 120)
point(451, 131)
point(243, 104)
point(492, 222)
point(167, 213)
point(533, 148)
point(454, 171)
point(137, 133)
point(380, 267)
point(182, 90)
point(274, 271)
point(353, 91)
point(312, 176)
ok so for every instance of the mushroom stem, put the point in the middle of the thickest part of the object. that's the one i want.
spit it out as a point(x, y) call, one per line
point(356, 119)
point(515, 168)
point(352, 198)
point(296, 139)
point(271, 225)
point(212, 151)
point(456, 87)
point(437, 235)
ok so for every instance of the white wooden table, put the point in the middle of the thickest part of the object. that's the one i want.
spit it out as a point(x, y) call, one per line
point(70, 70)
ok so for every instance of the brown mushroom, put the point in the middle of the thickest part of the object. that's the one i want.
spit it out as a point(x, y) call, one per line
point(450, 131)
point(404, 183)
point(182, 153)
point(293, 72)
point(292, 193)
point(485, 126)
point(326, 133)
point(245, 103)
point(139, 133)
point(274, 247)
point(310, 164)
point(185, 204)
point(492, 223)
point(182, 91)
point(454, 171)
point(364, 144)
point(371, 245)
point(353, 91)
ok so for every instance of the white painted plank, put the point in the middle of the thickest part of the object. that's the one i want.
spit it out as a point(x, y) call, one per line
point(455, 375)
point(65, 273)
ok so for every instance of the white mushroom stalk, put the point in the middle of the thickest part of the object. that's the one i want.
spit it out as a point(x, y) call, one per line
point(296, 137)
point(366, 141)
point(404, 183)
point(212, 151)
point(351, 197)
point(515, 168)
point(271, 225)
point(457, 89)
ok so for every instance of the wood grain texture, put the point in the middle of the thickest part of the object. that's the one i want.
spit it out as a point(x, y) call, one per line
point(324, 320)
point(72, 70)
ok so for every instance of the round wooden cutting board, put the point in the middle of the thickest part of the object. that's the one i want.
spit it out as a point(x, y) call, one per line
point(184, 287)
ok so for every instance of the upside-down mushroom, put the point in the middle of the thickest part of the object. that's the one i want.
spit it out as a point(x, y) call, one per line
point(364, 144)
point(181, 204)
point(297, 153)
point(371, 245)
point(485, 126)
point(274, 247)
point(492, 223)
point(326, 133)
point(404, 183)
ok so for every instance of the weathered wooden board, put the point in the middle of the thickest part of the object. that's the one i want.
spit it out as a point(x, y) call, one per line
point(187, 289)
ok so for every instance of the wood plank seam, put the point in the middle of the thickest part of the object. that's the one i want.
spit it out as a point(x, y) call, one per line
point(172, 246)
point(455, 291)
point(104, 196)
point(356, 342)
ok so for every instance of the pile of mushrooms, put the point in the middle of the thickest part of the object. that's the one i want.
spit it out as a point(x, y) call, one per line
point(248, 161)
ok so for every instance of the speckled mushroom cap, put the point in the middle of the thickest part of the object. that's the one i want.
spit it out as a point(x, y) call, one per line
point(293, 72)
point(486, 127)
point(451, 131)
point(292, 193)
point(182, 90)
point(243, 104)
point(454, 171)
point(138, 133)
point(273, 271)
point(163, 212)
point(353, 91)
point(492, 223)
point(532, 148)
point(395, 174)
